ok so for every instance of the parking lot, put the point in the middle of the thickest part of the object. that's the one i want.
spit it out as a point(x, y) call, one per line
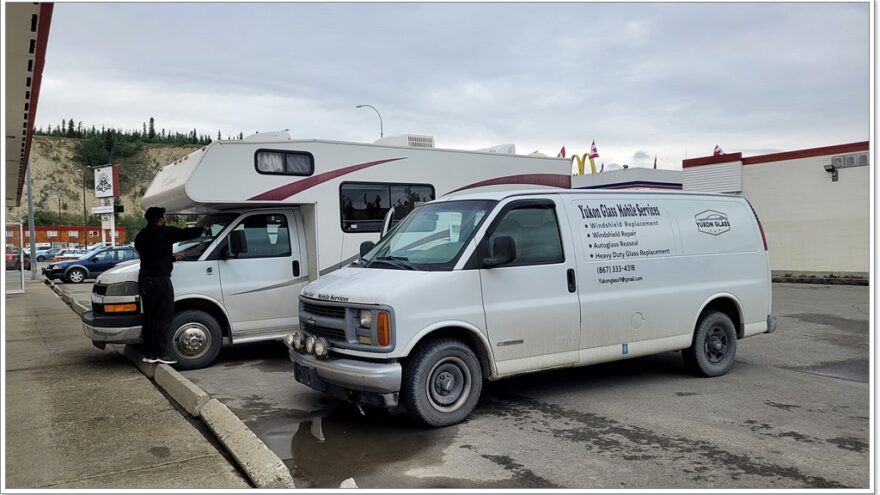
point(792, 413)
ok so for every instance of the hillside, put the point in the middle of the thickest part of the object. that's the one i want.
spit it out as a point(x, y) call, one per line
point(57, 180)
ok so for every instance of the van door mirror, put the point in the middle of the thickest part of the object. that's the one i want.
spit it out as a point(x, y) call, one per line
point(366, 247)
point(505, 251)
point(237, 242)
point(386, 224)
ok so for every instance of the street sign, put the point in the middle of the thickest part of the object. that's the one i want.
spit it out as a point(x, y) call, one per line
point(107, 182)
point(102, 210)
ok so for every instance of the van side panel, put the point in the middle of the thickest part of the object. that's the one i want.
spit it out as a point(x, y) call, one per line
point(649, 262)
point(626, 246)
point(721, 239)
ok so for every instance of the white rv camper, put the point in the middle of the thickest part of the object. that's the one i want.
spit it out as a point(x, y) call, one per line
point(282, 213)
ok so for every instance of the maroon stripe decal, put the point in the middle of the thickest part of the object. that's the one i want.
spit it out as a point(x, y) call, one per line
point(288, 190)
point(552, 180)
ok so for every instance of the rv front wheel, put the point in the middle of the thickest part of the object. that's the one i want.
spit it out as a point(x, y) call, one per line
point(441, 382)
point(197, 339)
point(714, 347)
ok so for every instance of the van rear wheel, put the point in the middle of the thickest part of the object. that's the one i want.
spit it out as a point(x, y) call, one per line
point(714, 347)
point(197, 339)
point(441, 383)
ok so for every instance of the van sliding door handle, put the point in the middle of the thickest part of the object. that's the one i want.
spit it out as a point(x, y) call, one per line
point(572, 285)
point(296, 268)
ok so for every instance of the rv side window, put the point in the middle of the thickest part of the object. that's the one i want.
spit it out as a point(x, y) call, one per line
point(284, 163)
point(364, 204)
point(266, 235)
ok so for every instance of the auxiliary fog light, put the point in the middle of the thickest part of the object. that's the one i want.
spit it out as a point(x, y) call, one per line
point(288, 340)
point(310, 344)
point(298, 341)
point(321, 347)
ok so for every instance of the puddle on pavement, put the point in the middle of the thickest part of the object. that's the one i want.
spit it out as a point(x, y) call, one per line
point(854, 370)
point(325, 447)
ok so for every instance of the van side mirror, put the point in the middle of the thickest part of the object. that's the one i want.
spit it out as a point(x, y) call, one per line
point(366, 247)
point(237, 242)
point(505, 251)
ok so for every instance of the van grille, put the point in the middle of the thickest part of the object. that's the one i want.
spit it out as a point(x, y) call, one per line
point(329, 333)
point(325, 311)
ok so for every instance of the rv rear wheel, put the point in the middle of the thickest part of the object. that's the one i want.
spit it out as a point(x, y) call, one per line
point(441, 382)
point(197, 339)
point(714, 347)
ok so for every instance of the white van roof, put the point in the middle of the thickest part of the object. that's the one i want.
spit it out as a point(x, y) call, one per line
point(503, 194)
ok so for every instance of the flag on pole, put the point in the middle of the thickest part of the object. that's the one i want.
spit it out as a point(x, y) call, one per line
point(594, 153)
point(561, 153)
point(655, 162)
point(718, 151)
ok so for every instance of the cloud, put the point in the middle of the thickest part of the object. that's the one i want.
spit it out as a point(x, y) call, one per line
point(675, 79)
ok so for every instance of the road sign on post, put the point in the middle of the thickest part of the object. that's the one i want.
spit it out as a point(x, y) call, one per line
point(107, 182)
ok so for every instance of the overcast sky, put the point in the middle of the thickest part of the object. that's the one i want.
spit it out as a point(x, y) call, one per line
point(640, 79)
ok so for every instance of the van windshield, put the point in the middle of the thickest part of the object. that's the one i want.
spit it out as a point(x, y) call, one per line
point(431, 238)
point(192, 249)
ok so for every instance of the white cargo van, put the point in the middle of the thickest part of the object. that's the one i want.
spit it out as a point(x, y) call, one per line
point(283, 212)
point(488, 285)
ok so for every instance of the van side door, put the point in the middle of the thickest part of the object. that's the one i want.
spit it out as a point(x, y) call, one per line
point(260, 286)
point(531, 303)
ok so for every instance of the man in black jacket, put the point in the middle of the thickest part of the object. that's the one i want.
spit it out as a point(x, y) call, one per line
point(154, 282)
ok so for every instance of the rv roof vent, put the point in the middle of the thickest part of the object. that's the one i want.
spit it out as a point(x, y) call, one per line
point(410, 140)
point(268, 137)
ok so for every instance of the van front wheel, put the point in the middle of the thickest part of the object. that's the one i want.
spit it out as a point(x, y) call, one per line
point(197, 339)
point(441, 383)
point(714, 348)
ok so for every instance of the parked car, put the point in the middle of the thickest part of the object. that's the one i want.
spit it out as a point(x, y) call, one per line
point(46, 254)
point(90, 264)
point(13, 259)
point(69, 254)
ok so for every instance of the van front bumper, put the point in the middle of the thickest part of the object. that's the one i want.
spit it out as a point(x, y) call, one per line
point(362, 382)
point(115, 329)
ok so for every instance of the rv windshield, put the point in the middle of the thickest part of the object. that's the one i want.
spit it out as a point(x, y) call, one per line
point(431, 238)
point(193, 248)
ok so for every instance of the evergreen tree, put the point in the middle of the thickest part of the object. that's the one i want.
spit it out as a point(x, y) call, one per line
point(218, 136)
point(151, 132)
point(70, 131)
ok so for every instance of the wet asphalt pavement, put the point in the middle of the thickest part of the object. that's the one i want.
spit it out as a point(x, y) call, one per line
point(792, 413)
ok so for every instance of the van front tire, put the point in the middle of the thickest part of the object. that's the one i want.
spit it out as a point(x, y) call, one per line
point(197, 339)
point(441, 383)
point(714, 347)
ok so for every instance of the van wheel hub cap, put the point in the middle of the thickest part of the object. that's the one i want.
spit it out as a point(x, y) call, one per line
point(192, 340)
point(716, 345)
point(449, 384)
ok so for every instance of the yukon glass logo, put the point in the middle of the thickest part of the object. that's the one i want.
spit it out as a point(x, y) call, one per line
point(712, 222)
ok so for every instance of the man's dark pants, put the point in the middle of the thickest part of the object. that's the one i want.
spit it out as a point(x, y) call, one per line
point(157, 297)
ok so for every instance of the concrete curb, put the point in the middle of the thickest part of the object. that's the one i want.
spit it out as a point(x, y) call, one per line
point(185, 392)
point(263, 467)
point(137, 359)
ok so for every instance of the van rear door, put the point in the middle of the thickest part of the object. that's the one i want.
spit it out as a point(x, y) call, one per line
point(531, 304)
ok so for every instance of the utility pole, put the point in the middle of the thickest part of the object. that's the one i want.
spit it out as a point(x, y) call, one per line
point(31, 228)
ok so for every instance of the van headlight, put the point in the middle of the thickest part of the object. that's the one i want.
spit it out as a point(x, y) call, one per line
point(122, 289)
point(365, 318)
